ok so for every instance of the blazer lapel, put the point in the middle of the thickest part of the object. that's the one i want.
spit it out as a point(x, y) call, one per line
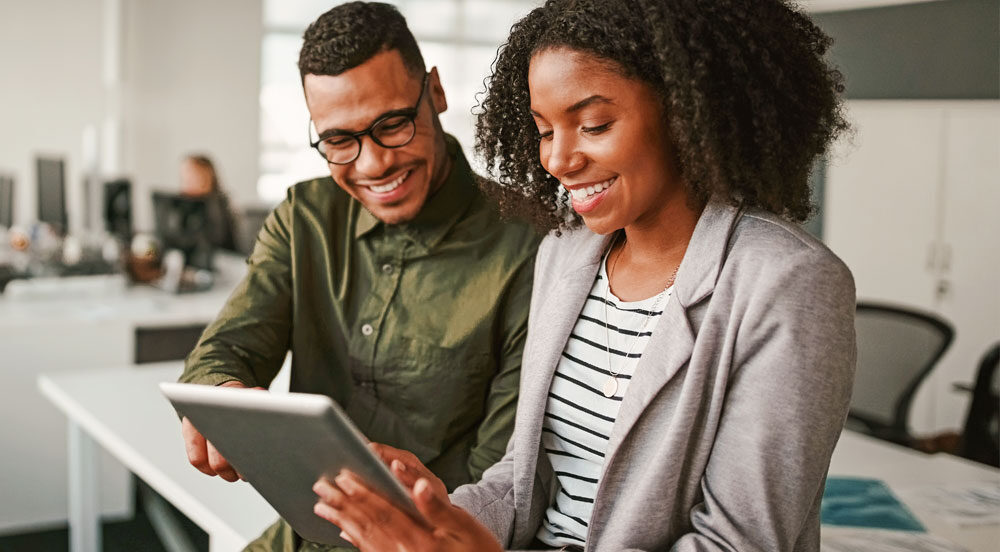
point(668, 349)
point(670, 346)
point(564, 302)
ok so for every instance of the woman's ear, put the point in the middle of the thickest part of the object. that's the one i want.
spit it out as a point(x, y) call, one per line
point(437, 92)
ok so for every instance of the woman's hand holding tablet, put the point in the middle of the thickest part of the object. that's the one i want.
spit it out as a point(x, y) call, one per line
point(371, 522)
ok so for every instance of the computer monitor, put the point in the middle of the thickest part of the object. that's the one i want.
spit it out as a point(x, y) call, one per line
point(182, 223)
point(6, 201)
point(52, 192)
point(117, 204)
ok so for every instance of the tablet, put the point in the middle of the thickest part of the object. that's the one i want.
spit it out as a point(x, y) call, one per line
point(282, 443)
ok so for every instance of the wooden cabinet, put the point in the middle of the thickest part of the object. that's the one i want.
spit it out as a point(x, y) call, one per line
point(912, 205)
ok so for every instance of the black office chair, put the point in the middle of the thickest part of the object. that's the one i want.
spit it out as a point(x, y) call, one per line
point(251, 221)
point(897, 348)
point(981, 436)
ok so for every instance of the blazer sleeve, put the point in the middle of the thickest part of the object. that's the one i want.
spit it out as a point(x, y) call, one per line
point(788, 395)
point(491, 499)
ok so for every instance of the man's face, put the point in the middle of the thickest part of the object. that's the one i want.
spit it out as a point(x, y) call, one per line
point(392, 183)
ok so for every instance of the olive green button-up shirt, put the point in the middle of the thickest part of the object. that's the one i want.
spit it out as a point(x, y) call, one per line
point(415, 329)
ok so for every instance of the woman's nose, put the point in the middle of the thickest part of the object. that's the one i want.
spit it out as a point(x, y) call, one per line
point(560, 156)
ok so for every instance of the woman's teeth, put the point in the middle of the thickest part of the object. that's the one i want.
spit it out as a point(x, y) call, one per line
point(584, 193)
point(390, 186)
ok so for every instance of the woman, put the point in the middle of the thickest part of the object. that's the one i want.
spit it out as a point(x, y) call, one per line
point(690, 352)
point(200, 180)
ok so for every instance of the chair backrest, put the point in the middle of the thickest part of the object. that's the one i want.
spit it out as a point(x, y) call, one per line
point(251, 221)
point(981, 436)
point(897, 348)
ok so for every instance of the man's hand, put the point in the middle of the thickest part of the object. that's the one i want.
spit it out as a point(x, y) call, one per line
point(371, 522)
point(202, 454)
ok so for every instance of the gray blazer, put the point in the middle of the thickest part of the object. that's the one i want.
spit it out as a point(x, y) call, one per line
point(725, 434)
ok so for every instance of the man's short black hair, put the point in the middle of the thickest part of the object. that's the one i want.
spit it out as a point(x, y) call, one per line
point(351, 34)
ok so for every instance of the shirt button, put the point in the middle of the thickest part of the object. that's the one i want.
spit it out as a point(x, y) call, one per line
point(387, 268)
point(367, 329)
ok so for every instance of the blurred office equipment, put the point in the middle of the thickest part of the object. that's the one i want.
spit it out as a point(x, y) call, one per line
point(251, 221)
point(911, 200)
point(6, 202)
point(117, 208)
point(182, 224)
point(981, 436)
point(897, 349)
point(51, 174)
point(7, 271)
point(76, 333)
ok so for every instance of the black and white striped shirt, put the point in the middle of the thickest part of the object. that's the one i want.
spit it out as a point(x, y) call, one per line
point(578, 417)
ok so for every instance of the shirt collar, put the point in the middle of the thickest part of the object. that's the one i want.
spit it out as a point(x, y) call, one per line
point(441, 210)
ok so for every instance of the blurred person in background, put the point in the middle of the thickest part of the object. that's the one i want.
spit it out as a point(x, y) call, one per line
point(200, 180)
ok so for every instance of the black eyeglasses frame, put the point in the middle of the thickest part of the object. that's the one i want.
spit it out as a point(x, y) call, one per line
point(410, 114)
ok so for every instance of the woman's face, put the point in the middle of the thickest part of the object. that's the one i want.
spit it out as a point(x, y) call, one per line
point(603, 137)
point(196, 180)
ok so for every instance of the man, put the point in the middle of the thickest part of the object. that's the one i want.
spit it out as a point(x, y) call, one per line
point(396, 287)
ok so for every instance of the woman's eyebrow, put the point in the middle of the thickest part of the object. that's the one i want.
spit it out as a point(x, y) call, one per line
point(596, 98)
point(590, 100)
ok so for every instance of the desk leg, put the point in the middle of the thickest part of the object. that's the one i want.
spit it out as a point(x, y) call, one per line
point(84, 497)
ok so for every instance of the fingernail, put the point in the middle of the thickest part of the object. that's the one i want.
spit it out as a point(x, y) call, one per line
point(346, 484)
point(399, 466)
point(421, 487)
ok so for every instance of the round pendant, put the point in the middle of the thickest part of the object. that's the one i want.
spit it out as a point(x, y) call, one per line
point(610, 387)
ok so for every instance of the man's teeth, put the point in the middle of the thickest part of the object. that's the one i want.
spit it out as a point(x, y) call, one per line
point(390, 186)
point(584, 193)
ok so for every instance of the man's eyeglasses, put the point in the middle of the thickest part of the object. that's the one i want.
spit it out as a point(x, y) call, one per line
point(393, 130)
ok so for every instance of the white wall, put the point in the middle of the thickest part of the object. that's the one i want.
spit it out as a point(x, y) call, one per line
point(910, 205)
point(192, 72)
point(50, 70)
point(190, 76)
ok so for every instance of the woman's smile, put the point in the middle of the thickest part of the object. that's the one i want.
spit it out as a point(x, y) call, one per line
point(586, 197)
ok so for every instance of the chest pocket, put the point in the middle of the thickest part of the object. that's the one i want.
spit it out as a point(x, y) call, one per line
point(439, 391)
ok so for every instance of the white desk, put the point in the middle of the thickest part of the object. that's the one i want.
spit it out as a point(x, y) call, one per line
point(123, 412)
point(77, 332)
point(862, 456)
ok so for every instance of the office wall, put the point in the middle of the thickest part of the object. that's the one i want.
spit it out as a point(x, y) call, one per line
point(946, 54)
point(193, 75)
point(929, 50)
point(50, 69)
point(189, 81)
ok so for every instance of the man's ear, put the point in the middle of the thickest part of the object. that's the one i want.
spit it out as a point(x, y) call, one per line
point(437, 91)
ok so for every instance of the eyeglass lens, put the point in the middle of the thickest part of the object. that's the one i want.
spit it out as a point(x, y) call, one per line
point(392, 132)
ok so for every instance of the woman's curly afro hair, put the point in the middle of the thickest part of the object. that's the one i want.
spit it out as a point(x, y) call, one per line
point(749, 100)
